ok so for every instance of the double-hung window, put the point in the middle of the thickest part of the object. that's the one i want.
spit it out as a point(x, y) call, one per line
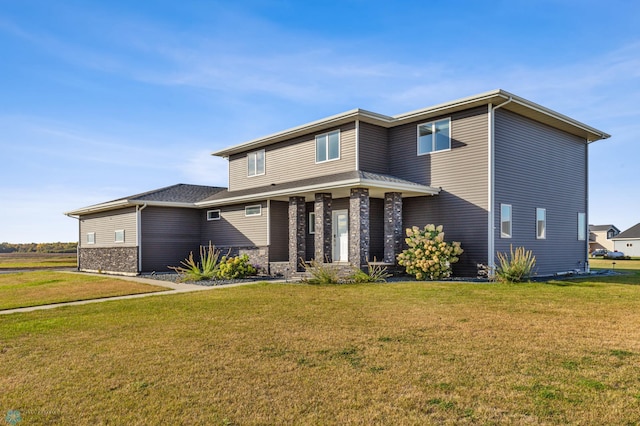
point(541, 223)
point(505, 220)
point(328, 146)
point(434, 136)
point(255, 163)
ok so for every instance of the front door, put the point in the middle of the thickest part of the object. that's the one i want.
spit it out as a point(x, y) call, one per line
point(340, 228)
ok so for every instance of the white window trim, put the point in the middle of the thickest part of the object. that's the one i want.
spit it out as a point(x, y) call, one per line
point(432, 123)
point(115, 236)
point(502, 234)
point(582, 229)
point(253, 214)
point(264, 155)
point(94, 237)
point(326, 146)
point(544, 235)
point(312, 223)
point(213, 218)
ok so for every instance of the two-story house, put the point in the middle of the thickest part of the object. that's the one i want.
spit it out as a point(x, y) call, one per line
point(495, 169)
point(600, 237)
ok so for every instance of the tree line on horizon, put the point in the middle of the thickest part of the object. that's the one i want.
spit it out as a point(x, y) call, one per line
point(58, 247)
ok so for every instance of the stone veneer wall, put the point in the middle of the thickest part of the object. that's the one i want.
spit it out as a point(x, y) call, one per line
point(122, 260)
point(393, 235)
point(322, 240)
point(359, 227)
point(297, 232)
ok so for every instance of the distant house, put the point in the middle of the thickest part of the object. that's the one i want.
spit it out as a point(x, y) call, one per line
point(495, 169)
point(628, 241)
point(600, 237)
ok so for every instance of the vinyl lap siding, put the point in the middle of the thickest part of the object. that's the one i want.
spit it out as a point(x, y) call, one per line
point(461, 206)
point(168, 236)
point(373, 149)
point(234, 228)
point(279, 228)
point(294, 160)
point(104, 224)
point(538, 166)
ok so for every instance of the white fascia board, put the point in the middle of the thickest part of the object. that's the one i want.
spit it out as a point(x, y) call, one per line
point(127, 203)
point(317, 125)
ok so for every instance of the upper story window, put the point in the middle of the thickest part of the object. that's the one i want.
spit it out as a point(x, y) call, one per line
point(328, 146)
point(213, 215)
point(610, 234)
point(253, 210)
point(582, 226)
point(255, 163)
point(434, 136)
point(541, 223)
point(505, 220)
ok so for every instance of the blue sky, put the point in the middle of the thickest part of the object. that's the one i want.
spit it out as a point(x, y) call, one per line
point(103, 99)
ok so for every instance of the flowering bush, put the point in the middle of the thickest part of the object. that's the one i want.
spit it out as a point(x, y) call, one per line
point(235, 267)
point(428, 255)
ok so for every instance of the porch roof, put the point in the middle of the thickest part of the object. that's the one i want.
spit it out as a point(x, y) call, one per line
point(338, 185)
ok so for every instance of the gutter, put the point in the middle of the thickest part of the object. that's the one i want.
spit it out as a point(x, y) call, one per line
point(491, 219)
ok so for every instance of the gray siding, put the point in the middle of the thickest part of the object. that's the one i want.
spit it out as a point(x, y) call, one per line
point(279, 217)
point(462, 173)
point(234, 228)
point(373, 150)
point(293, 160)
point(376, 229)
point(538, 166)
point(104, 224)
point(168, 236)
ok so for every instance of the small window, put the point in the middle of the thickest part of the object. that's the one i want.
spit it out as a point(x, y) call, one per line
point(541, 223)
point(505, 220)
point(434, 136)
point(119, 236)
point(91, 237)
point(312, 223)
point(213, 215)
point(582, 226)
point(253, 211)
point(328, 146)
point(255, 163)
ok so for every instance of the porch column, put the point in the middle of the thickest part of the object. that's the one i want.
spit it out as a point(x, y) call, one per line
point(297, 232)
point(359, 227)
point(322, 228)
point(392, 226)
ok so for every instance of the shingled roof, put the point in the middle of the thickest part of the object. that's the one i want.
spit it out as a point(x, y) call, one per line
point(631, 233)
point(180, 195)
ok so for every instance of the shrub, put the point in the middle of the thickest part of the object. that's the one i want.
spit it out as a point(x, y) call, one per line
point(206, 269)
point(374, 274)
point(236, 267)
point(321, 273)
point(515, 268)
point(428, 255)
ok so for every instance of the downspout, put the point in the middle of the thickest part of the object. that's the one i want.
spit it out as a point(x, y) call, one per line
point(491, 236)
point(139, 233)
point(79, 240)
point(586, 206)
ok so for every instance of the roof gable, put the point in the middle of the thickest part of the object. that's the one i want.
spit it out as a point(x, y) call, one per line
point(631, 233)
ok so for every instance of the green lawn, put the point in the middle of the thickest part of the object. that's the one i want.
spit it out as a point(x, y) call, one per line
point(22, 289)
point(37, 260)
point(627, 264)
point(405, 353)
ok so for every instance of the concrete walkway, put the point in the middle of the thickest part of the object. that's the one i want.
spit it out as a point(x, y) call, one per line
point(171, 288)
